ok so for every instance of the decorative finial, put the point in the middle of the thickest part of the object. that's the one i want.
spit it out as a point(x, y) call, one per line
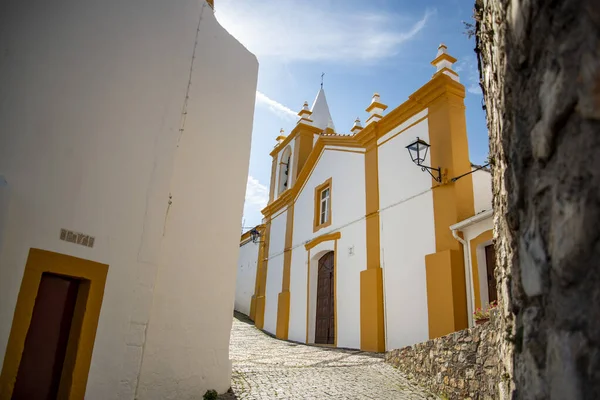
point(443, 63)
point(322, 75)
point(375, 109)
point(281, 131)
point(305, 114)
point(357, 126)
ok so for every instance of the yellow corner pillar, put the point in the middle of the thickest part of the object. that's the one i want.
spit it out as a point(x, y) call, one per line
point(303, 145)
point(372, 329)
point(261, 278)
point(452, 202)
point(261, 229)
point(283, 299)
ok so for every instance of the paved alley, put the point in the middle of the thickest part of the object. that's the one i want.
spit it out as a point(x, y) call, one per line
point(267, 368)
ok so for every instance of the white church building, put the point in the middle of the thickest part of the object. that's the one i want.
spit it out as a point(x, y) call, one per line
point(117, 270)
point(375, 239)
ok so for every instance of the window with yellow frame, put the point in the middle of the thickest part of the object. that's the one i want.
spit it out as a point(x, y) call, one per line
point(322, 210)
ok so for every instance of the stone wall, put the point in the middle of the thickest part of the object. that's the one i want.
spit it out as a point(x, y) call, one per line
point(540, 75)
point(490, 19)
point(462, 365)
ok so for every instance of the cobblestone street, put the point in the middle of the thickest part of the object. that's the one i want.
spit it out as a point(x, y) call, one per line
point(267, 368)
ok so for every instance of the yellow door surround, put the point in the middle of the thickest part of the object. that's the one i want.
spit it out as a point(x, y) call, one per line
point(85, 319)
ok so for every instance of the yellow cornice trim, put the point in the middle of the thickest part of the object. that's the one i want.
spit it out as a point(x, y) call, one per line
point(280, 202)
point(323, 238)
point(376, 104)
point(417, 102)
point(442, 57)
point(290, 194)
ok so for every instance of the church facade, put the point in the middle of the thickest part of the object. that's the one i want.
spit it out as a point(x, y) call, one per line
point(361, 247)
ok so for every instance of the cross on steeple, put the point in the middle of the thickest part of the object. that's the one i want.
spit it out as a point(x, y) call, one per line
point(322, 75)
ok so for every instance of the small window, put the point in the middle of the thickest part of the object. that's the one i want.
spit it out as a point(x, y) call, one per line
point(284, 170)
point(322, 205)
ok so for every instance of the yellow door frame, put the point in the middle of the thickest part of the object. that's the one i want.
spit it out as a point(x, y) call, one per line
point(85, 319)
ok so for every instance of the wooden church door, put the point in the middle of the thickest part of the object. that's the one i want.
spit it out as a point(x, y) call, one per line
point(325, 324)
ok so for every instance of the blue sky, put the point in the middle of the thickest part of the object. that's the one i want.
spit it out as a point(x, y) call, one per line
point(363, 47)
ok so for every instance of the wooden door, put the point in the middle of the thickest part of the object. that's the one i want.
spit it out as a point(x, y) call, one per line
point(490, 261)
point(41, 366)
point(325, 324)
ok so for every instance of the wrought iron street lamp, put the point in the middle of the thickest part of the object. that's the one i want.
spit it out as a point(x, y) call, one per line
point(418, 151)
point(255, 235)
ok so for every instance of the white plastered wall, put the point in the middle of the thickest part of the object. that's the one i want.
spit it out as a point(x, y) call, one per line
point(482, 190)
point(347, 209)
point(274, 270)
point(246, 276)
point(90, 140)
point(407, 234)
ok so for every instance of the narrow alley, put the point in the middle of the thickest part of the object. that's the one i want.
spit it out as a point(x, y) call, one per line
point(267, 368)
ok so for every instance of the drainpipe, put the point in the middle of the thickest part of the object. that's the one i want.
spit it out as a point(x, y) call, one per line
point(468, 273)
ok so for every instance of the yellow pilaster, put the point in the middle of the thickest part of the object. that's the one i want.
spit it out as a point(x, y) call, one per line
point(283, 300)
point(303, 144)
point(452, 202)
point(259, 259)
point(273, 173)
point(372, 329)
point(261, 278)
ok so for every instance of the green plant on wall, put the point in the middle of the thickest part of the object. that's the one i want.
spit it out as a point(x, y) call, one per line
point(483, 314)
point(210, 395)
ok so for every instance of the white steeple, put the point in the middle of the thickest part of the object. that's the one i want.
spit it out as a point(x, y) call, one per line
point(320, 112)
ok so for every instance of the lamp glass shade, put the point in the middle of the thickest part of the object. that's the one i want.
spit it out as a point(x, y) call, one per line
point(418, 151)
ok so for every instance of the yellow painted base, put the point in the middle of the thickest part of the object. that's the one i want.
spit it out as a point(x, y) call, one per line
point(283, 315)
point(372, 333)
point(252, 308)
point(259, 316)
point(446, 293)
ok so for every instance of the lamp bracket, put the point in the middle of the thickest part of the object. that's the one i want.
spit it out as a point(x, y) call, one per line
point(437, 178)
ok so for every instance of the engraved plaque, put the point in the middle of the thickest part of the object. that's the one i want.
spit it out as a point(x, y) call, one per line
point(76, 237)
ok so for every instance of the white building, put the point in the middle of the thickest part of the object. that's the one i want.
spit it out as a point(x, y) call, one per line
point(117, 253)
point(358, 250)
point(245, 285)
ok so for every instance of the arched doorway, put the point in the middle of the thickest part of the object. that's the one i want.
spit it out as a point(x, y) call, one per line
point(325, 318)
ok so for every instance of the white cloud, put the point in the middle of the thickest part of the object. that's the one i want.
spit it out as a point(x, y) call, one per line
point(257, 197)
point(275, 107)
point(474, 89)
point(467, 68)
point(298, 31)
